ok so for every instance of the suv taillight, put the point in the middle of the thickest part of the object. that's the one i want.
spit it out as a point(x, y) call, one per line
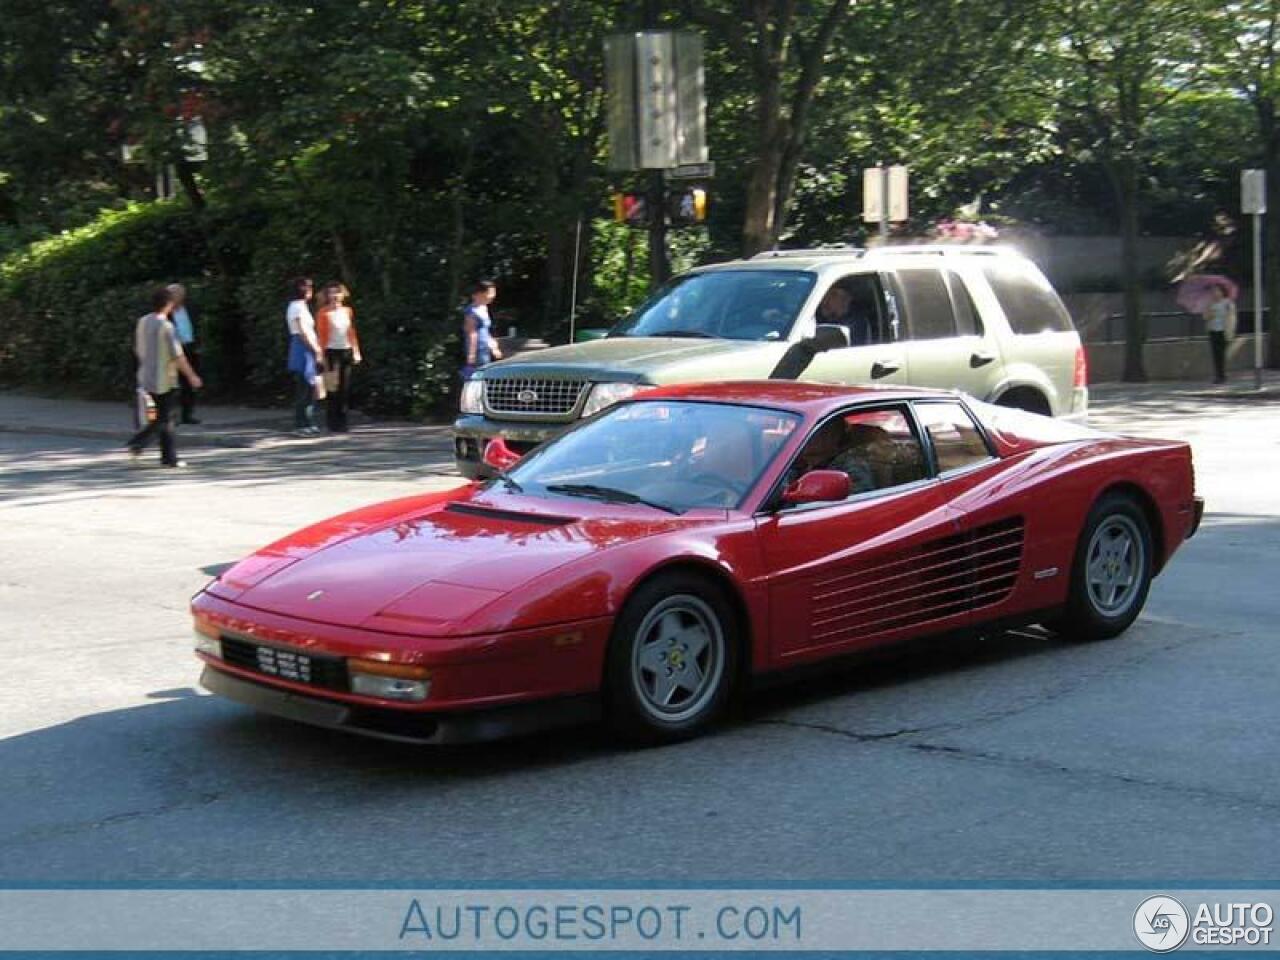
point(1081, 377)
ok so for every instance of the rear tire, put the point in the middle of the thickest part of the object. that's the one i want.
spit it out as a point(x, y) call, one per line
point(1111, 573)
point(672, 659)
point(1024, 398)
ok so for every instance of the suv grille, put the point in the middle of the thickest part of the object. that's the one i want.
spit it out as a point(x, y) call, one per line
point(533, 396)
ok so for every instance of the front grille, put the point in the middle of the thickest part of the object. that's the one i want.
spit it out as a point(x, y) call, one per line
point(316, 671)
point(533, 396)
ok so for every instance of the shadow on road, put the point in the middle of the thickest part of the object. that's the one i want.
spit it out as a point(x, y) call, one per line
point(50, 467)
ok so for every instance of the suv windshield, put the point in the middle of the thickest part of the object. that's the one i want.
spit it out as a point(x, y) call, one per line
point(669, 454)
point(728, 304)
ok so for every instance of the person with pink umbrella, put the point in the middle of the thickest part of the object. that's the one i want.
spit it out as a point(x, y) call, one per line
point(1220, 322)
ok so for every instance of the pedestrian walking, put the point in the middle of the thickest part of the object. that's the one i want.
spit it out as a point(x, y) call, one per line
point(1220, 322)
point(160, 361)
point(478, 341)
point(305, 358)
point(336, 332)
point(183, 323)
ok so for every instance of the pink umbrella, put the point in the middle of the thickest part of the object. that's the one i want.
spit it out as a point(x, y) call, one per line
point(1195, 292)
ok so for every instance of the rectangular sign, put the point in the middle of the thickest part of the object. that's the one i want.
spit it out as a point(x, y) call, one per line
point(1253, 191)
point(691, 171)
point(885, 188)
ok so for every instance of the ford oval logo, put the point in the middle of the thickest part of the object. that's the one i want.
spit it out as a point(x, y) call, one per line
point(527, 396)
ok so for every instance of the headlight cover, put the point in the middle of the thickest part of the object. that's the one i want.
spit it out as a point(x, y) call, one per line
point(473, 396)
point(607, 394)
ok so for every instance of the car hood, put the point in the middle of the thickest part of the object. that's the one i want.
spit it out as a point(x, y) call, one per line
point(436, 573)
point(646, 360)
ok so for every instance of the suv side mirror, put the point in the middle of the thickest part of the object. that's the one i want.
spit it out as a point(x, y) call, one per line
point(828, 336)
point(818, 486)
point(499, 456)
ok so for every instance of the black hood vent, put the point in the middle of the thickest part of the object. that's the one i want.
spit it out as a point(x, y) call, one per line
point(515, 516)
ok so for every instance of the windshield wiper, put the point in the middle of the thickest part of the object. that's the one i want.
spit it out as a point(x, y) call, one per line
point(608, 494)
point(687, 333)
point(508, 481)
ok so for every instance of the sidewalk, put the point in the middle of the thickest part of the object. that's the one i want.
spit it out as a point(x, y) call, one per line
point(232, 426)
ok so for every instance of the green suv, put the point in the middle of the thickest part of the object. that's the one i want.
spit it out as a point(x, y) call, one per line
point(983, 320)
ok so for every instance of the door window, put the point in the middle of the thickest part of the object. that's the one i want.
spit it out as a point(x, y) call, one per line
point(878, 449)
point(957, 441)
point(928, 304)
point(856, 303)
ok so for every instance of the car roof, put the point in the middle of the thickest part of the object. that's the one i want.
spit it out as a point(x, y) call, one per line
point(802, 397)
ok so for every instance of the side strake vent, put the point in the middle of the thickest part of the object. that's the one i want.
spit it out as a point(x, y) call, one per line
point(493, 513)
point(940, 579)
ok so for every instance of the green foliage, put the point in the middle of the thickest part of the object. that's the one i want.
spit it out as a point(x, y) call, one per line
point(68, 303)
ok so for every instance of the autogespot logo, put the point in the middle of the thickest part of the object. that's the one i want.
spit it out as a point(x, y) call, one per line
point(1161, 924)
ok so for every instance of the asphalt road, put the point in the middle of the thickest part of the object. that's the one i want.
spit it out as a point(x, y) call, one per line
point(1011, 758)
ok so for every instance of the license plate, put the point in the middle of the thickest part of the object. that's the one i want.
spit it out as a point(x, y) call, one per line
point(284, 664)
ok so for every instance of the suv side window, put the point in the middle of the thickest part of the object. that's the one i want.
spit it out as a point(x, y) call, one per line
point(1026, 296)
point(968, 323)
point(957, 442)
point(928, 304)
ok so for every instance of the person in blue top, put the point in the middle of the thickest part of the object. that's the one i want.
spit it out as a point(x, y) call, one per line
point(181, 318)
point(478, 342)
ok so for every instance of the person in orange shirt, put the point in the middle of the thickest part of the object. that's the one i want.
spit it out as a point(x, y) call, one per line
point(336, 331)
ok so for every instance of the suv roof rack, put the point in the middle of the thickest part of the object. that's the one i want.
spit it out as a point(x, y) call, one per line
point(833, 251)
point(944, 249)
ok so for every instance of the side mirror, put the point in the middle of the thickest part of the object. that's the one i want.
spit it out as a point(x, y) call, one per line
point(818, 486)
point(499, 456)
point(828, 336)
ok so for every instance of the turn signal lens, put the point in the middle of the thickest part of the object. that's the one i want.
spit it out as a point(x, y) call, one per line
point(390, 681)
point(1081, 378)
point(208, 637)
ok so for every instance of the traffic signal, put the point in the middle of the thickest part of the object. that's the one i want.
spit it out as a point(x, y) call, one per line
point(630, 208)
point(687, 207)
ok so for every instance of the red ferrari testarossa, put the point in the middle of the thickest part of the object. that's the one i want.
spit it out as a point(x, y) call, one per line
point(652, 561)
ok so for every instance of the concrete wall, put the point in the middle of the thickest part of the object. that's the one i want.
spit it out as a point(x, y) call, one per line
point(1170, 359)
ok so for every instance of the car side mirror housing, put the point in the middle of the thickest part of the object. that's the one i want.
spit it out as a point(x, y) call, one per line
point(499, 456)
point(818, 486)
point(830, 336)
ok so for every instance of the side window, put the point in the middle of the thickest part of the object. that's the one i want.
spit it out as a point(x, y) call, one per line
point(855, 303)
point(876, 448)
point(928, 304)
point(1026, 296)
point(957, 441)
point(968, 324)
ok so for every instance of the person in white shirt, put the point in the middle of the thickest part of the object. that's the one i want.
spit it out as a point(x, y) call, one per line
point(305, 357)
point(1220, 322)
point(336, 332)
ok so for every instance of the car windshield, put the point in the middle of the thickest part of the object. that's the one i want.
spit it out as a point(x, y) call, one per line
point(727, 304)
point(670, 455)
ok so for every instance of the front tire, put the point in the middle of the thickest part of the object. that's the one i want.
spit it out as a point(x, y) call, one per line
point(1111, 573)
point(672, 659)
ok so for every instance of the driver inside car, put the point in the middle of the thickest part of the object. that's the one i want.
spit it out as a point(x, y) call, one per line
point(833, 448)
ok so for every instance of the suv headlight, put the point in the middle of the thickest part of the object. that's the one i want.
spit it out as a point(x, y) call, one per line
point(473, 396)
point(606, 395)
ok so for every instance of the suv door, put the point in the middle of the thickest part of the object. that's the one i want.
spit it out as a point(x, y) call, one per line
point(947, 344)
point(883, 359)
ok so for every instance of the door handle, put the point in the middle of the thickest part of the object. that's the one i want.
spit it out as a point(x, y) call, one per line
point(882, 368)
point(980, 358)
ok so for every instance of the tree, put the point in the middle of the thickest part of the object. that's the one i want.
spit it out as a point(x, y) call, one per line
point(1248, 60)
point(1119, 64)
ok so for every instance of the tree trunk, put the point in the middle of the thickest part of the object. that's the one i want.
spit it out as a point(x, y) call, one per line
point(759, 224)
point(1124, 180)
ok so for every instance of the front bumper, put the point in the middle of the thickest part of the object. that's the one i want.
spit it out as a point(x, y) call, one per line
point(405, 726)
point(472, 431)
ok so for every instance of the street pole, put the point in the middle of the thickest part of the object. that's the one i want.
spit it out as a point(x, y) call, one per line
point(659, 269)
point(573, 290)
point(884, 202)
point(1257, 301)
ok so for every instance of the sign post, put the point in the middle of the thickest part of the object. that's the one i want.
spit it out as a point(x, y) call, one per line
point(1253, 200)
point(884, 196)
